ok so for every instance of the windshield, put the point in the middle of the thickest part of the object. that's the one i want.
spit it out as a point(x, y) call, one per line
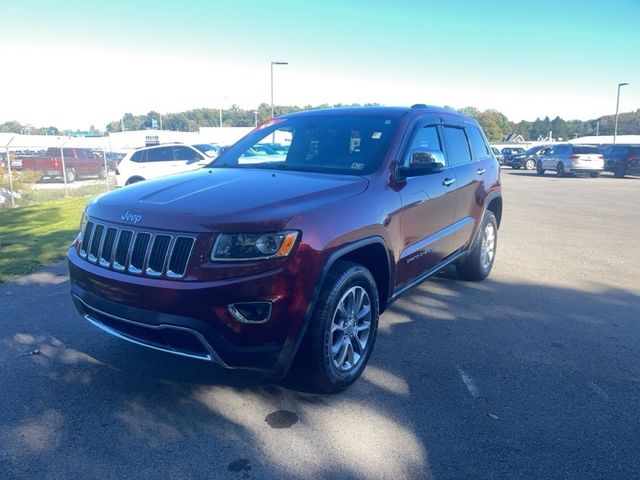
point(345, 144)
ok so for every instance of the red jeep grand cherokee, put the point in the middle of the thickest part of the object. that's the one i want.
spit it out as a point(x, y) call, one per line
point(257, 260)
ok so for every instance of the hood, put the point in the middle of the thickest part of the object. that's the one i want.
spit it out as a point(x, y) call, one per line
point(223, 199)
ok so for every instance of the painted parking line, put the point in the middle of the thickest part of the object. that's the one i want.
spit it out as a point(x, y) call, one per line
point(468, 382)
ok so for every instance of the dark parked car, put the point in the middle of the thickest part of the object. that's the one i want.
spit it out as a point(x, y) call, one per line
point(527, 159)
point(507, 152)
point(622, 160)
point(264, 264)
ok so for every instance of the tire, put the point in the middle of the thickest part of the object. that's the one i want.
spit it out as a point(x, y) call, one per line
point(476, 266)
point(594, 174)
point(333, 350)
point(70, 173)
point(539, 169)
point(530, 164)
point(516, 167)
point(560, 169)
point(133, 180)
point(619, 170)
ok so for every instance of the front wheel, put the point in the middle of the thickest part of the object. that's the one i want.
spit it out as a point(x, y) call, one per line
point(560, 169)
point(539, 169)
point(479, 261)
point(343, 328)
point(530, 164)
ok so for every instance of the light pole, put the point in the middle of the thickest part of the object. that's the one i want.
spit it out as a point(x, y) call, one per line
point(615, 128)
point(272, 64)
point(255, 118)
point(224, 100)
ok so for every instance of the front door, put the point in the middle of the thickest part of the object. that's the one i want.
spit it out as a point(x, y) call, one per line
point(428, 210)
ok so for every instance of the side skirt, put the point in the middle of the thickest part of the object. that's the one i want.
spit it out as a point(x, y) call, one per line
point(450, 259)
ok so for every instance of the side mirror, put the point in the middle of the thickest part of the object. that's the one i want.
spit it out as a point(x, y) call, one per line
point(423, 162)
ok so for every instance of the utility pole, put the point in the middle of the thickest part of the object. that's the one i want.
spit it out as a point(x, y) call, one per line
point(615, 129)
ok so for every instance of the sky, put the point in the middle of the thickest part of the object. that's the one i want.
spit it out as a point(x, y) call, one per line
point(73, 64)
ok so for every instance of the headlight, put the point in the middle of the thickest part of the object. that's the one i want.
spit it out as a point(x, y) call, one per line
point(83, 223)
point(253, 246)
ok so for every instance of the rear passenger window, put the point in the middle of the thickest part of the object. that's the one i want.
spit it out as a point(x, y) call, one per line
point(479, 148)
point(457, 146)
point(164, 154)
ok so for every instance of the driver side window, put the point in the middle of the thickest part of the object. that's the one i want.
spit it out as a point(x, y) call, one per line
point(426, 138)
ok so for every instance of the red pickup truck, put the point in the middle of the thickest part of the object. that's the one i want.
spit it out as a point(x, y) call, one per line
point(78, 162)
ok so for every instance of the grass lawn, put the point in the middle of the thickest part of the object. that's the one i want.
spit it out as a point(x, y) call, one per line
point(34, 235)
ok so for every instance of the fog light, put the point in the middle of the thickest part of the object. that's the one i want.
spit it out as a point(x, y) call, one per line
point(250, 312)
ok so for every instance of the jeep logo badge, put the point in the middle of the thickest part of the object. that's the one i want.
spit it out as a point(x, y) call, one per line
point(130, 217)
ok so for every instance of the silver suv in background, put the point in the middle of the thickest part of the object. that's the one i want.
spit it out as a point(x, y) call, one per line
point(569, 158)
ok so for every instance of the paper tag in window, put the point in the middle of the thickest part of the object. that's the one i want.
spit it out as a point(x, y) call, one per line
point(357, 166)
point(387, 122)
point(376, 135)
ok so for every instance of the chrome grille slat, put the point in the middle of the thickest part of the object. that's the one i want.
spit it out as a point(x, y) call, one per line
point(158, 255)
point(86, 239)
point(180, 256)
point(94, 244)
point(137, 252)
point(108, 244)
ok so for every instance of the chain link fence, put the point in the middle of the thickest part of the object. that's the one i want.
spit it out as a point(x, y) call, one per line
point(60, 168)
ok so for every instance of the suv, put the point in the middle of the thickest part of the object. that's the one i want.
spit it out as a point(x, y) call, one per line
point(571, 158)
point(623, 160)
point(162, 160)
point(264, 264)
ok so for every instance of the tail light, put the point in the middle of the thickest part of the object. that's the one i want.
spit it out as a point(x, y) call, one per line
point(574, 157)
point(56, 163)
point(634, 158)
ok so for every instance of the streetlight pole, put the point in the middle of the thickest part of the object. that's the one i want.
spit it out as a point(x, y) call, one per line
point(615, 128)
point(255, 118)
point(272, 64)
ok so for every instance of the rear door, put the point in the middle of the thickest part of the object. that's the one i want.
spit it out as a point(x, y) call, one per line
point(476, 171)
point(428, 203)
point(159, 162)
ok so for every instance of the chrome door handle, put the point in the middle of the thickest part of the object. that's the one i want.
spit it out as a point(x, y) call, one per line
point(480, 171)
point(447, 182)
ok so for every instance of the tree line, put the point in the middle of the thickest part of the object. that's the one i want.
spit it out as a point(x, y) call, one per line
point(495, 124)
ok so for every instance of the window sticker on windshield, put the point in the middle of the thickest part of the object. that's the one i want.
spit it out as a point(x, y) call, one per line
point(376, 135)
point(387, 122)
point(357, 166)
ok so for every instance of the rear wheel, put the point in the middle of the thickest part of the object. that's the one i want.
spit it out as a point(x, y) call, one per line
point(594, 174)
point(560, 169)
point(619, 170)
point(479, 261)
point(70, 173)
point(530, 164)
point(539, 169)
point(343, 328)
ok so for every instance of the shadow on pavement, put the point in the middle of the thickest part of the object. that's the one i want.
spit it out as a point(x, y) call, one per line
point(467, 380)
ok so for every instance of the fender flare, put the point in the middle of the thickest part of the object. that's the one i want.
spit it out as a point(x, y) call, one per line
point(290, 352)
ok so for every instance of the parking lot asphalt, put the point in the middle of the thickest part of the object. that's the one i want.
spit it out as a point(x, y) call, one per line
point(533, 373)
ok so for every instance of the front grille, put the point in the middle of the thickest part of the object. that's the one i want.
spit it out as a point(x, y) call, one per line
point(136, 252)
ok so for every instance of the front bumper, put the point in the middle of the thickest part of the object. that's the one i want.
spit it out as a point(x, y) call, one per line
point(191, 318)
